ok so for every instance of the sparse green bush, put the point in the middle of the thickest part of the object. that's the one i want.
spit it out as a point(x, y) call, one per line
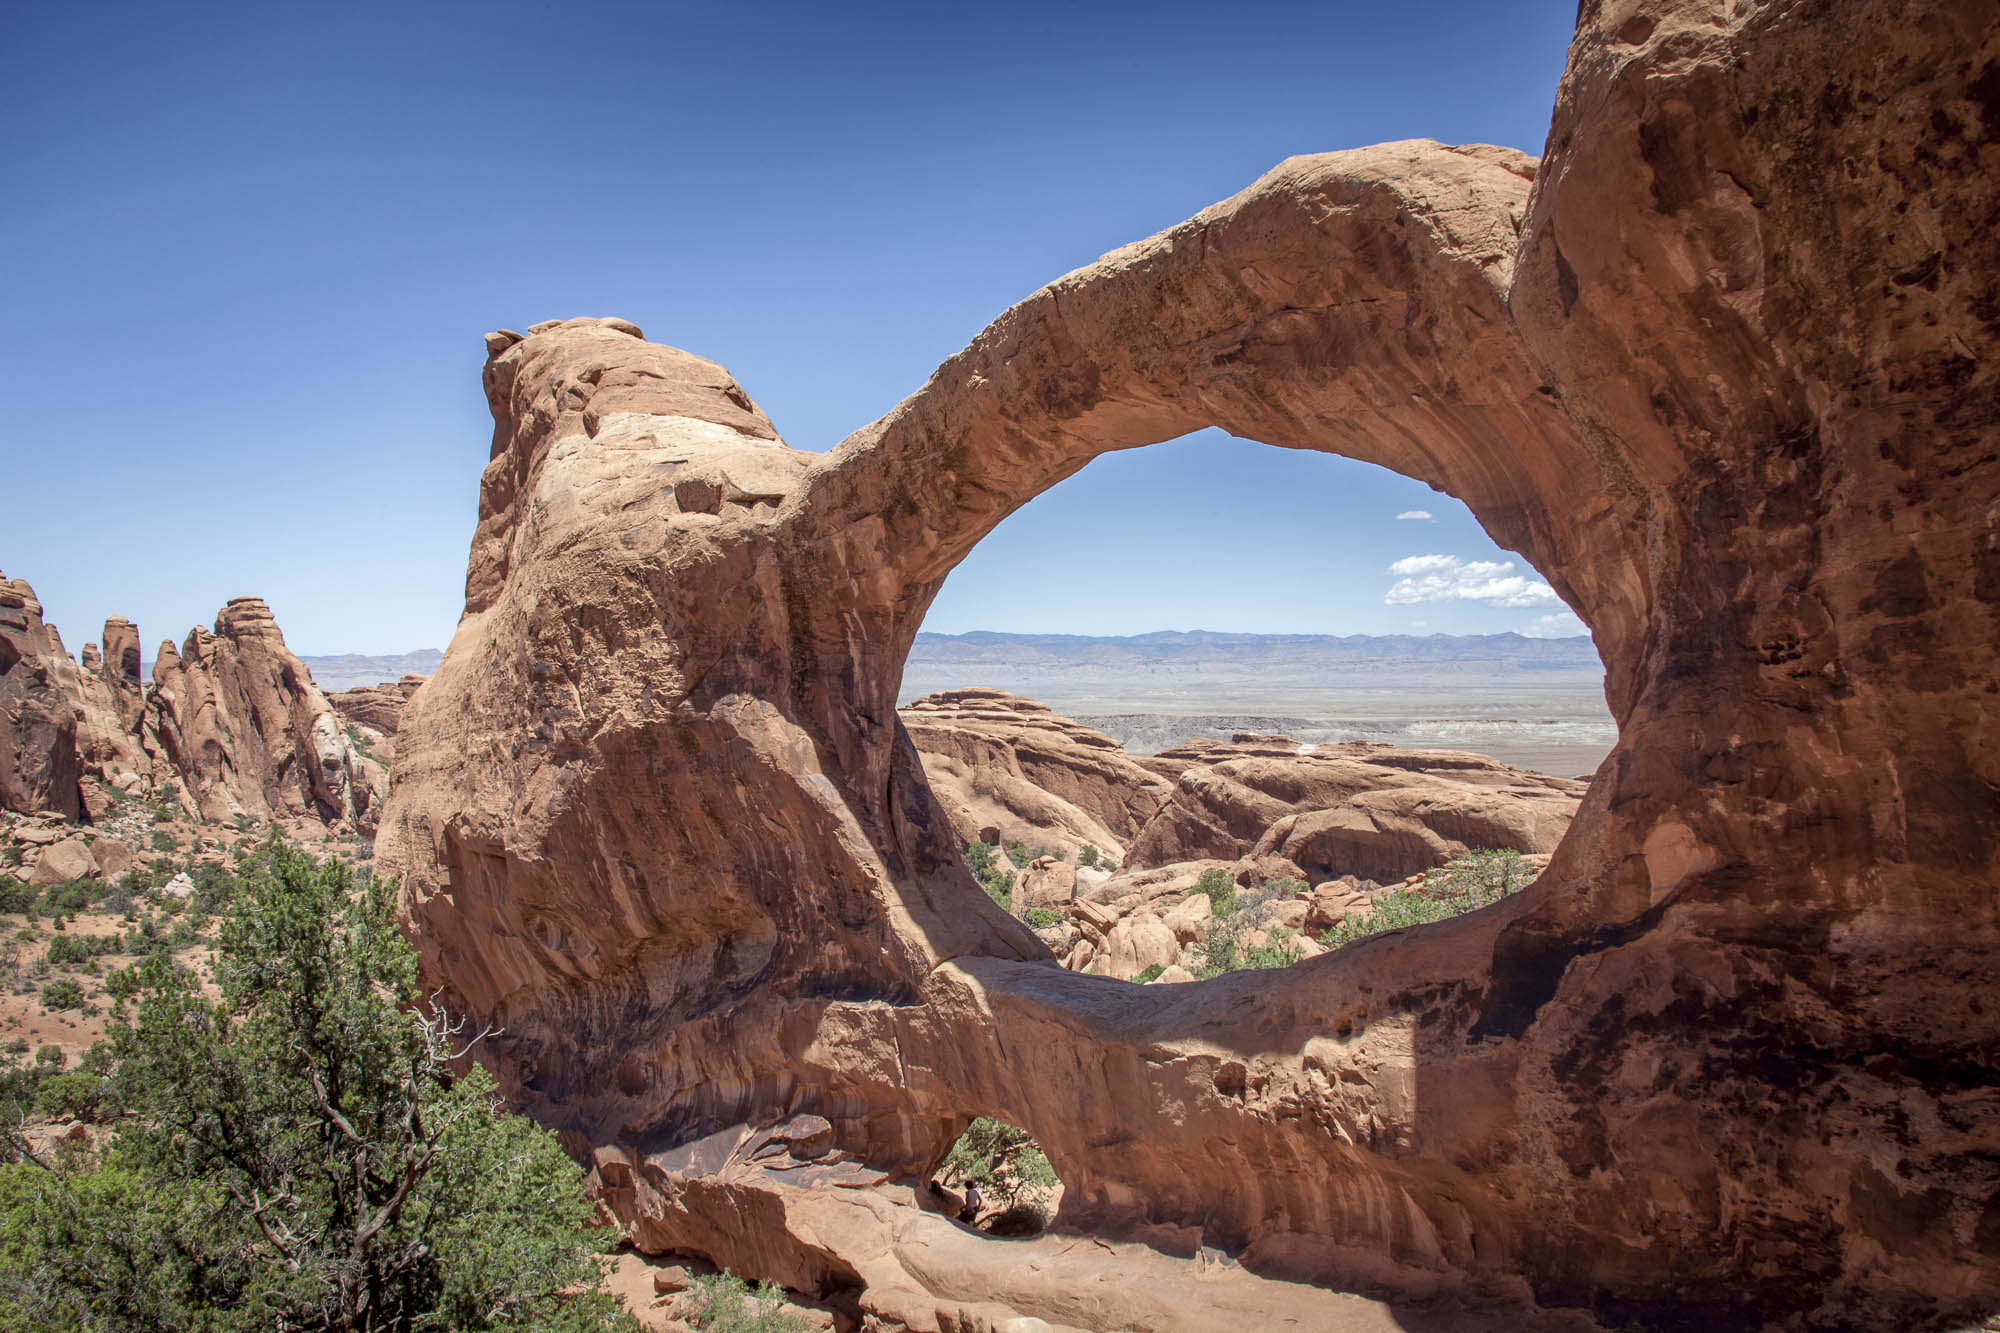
point(1087, 857)
point(164, 841)
point(724, 1303)
point(1021, 855)
point(1042, 918)
point(70, 897)
point(1219, 889)
point(75, 950)
point(992, 876)
point(1150, 972)
point(76, 1095)
point(1223, 945)
point(1473, 881)
point(62, 993)
point(16, 896)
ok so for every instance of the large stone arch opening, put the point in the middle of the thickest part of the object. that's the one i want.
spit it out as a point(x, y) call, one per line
point(1710, 371)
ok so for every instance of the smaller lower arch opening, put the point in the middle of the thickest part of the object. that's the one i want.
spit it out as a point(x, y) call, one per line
point(996, 1180)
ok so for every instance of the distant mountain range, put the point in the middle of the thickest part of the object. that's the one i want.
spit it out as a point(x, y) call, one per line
point(347, 670)
point(1195, 656)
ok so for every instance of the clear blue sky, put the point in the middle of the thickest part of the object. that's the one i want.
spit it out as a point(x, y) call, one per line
point(252, 248)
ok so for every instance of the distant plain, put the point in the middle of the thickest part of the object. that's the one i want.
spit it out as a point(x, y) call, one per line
point(1531, 703)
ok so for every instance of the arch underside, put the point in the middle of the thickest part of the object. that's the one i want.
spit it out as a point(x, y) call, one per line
point(658, 820)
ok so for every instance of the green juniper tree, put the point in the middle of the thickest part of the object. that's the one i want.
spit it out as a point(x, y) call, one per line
point(301, 1154)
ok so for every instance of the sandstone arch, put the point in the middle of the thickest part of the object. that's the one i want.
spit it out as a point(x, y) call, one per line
point(1732, 390)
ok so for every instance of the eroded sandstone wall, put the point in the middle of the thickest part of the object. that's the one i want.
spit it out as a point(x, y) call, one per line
point(1722, 367)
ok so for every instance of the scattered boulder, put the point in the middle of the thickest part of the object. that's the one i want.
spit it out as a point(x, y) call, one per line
point(112, 857)
point(67, 860)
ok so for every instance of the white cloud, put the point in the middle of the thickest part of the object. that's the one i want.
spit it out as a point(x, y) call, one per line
point(1447, 578)
point(1425, 564)
point(1555, 625)
point(1423, 514)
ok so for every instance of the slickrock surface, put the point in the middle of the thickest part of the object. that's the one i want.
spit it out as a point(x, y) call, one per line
point(1372, 811)
point(996, 761)
point(1725, 373)
point(238, 720)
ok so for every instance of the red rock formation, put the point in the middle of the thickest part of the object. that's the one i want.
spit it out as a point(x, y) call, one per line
point(120, 669)
point(108, 705)
point(1372, 811)
point(1000, 762)
point(1726, 375)
point(38, 760)
point(238, 720)
point(378, 707)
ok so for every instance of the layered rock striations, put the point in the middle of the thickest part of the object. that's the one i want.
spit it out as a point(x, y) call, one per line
point(1722, 366)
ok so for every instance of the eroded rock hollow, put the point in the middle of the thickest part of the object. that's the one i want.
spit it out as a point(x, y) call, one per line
point(1722, 366)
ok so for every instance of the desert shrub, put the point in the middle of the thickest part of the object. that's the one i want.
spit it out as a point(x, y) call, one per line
point(122, 984)
point(74, 950)
point(724, 1303)
point(1088, 856)
point(70, 897)
point(991, 875)
point(60, 994)
point(164, 841)
point(1150, 972)
point(75, 1095)
point(116, 899)
point(214, 889)
point(1473, 881)
point(16, 896)
point(361, 744)
point(1219, 889)
point(1024, 1217)
point(12, 854)
point(1042, 918)
point(1020, 855)
point(1224, 946)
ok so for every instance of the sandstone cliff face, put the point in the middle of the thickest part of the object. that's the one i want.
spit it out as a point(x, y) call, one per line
point(39, 767)
point(236, 718)
point(998, 762)
point(1726, 374)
